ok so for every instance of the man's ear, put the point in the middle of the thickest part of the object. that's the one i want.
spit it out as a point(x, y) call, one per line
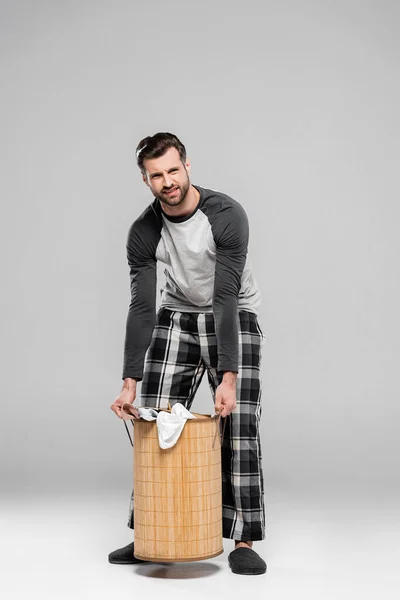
point(145, 179)
point(188, 166)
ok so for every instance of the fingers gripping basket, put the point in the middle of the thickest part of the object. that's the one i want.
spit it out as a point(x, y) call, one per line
point(177, 492)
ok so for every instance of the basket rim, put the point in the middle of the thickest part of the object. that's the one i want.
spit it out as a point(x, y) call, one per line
point(200, 417)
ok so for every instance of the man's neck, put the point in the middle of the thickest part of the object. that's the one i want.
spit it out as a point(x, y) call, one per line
point(186, 207)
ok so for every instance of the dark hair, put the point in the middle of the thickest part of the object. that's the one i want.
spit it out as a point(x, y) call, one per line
point(157, 145)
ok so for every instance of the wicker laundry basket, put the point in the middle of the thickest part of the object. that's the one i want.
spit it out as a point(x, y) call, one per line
point(177, 492)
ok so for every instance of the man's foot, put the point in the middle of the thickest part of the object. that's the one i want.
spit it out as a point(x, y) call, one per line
point(124, 556)
point(244, 561)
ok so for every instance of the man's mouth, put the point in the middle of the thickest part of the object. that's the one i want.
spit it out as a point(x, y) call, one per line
point(172, 191)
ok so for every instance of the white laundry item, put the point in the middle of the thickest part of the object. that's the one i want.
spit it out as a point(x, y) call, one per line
point(170, 425)
point(148, 414)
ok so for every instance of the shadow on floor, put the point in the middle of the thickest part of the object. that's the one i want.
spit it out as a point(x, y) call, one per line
point(178, 570)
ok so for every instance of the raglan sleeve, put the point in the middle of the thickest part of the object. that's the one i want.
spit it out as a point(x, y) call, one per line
point(142, 308)
point(231, 238)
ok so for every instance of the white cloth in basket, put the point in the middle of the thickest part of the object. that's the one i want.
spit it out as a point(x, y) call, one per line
point(169, 424)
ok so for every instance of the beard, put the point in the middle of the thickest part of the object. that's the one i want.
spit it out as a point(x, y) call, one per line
point(178, 197)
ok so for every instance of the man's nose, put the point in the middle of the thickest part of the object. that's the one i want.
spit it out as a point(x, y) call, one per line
point(167, 181)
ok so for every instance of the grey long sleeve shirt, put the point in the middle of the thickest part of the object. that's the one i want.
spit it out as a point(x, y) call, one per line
point(207, 270)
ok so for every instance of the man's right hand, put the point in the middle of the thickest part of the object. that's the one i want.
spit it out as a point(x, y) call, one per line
point(127, 394)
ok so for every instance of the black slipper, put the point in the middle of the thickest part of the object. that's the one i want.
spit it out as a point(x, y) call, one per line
point(125, 556)
point(244, 561)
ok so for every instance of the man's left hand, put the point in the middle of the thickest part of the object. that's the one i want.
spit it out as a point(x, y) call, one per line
point(225, 395)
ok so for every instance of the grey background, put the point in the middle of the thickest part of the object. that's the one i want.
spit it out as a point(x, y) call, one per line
point(289, 107)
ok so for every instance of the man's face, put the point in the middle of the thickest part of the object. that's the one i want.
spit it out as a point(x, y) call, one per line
point(167, 174)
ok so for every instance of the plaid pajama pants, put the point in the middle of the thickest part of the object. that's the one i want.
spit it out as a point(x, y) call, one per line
point(183, 347)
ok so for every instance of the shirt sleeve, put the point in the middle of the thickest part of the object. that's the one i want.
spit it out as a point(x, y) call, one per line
point(231, 234)
point(142, 308)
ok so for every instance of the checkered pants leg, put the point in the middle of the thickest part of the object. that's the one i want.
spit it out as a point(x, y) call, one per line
point(183, 347)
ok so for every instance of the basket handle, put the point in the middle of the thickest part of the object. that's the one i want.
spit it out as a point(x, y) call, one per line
point(129, 416)
point(127, 431)
point(217, 429)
